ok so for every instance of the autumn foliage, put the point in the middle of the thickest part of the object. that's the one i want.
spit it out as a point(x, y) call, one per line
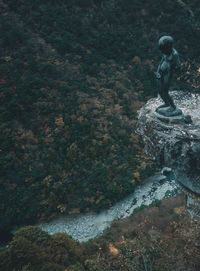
point(160, 237)
point(72, 76)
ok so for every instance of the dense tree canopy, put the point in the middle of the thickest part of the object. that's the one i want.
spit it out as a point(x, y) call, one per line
point(72, 76)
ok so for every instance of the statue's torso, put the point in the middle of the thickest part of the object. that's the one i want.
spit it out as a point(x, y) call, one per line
point(169, 63)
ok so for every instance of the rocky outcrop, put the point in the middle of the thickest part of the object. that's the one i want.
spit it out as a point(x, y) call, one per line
point(175, 141)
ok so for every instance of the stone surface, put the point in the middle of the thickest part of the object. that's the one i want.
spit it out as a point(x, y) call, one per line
point(175, 141)
point(193, 206)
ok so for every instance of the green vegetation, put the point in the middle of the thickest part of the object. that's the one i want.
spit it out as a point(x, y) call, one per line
point(72, 76)
point(33, 249)
point(155, 238)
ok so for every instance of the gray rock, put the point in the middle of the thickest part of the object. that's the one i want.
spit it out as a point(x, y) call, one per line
point(193, 206)
point(174, 141)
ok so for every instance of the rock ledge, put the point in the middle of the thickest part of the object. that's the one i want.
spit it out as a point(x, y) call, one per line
point(174, 142)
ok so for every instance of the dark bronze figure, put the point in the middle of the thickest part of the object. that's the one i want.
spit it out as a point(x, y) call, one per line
point(170, 62)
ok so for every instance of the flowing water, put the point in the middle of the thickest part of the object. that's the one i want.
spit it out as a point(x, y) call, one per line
point(83, 227)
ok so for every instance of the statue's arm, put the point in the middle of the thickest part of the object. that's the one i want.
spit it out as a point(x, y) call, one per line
point(178, 62)
point(159, 73)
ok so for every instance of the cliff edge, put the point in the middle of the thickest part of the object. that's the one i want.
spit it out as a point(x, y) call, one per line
point(175, 141)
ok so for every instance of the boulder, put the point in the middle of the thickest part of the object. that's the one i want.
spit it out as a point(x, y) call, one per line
point(174, 141)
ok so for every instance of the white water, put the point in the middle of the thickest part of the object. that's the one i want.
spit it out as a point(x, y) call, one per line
point(84, 227)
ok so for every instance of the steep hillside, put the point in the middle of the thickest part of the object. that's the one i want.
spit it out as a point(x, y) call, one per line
point(162, 237)
point(72, 76)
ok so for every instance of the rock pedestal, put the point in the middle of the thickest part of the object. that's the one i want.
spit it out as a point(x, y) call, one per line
point(174, 141)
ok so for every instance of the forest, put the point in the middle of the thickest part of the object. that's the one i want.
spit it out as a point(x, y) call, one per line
point(73, 74)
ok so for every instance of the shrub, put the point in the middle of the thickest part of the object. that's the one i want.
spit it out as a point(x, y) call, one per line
point(32, 234)
point(23, 252)
point(64, 249)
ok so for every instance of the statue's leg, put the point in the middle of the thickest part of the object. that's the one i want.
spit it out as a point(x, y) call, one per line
point(171, 109)
point(172, 105)
point(162, 94)
point(168, 98)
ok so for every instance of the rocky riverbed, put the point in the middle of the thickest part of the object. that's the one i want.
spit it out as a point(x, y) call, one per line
point(84, 227)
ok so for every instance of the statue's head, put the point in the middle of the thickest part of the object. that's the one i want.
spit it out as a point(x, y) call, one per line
point(165, 44)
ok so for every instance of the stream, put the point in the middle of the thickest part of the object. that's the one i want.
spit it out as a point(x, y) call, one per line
point(83, 227)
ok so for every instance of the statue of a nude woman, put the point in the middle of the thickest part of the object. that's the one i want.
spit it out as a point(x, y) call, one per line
point(170, 62)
